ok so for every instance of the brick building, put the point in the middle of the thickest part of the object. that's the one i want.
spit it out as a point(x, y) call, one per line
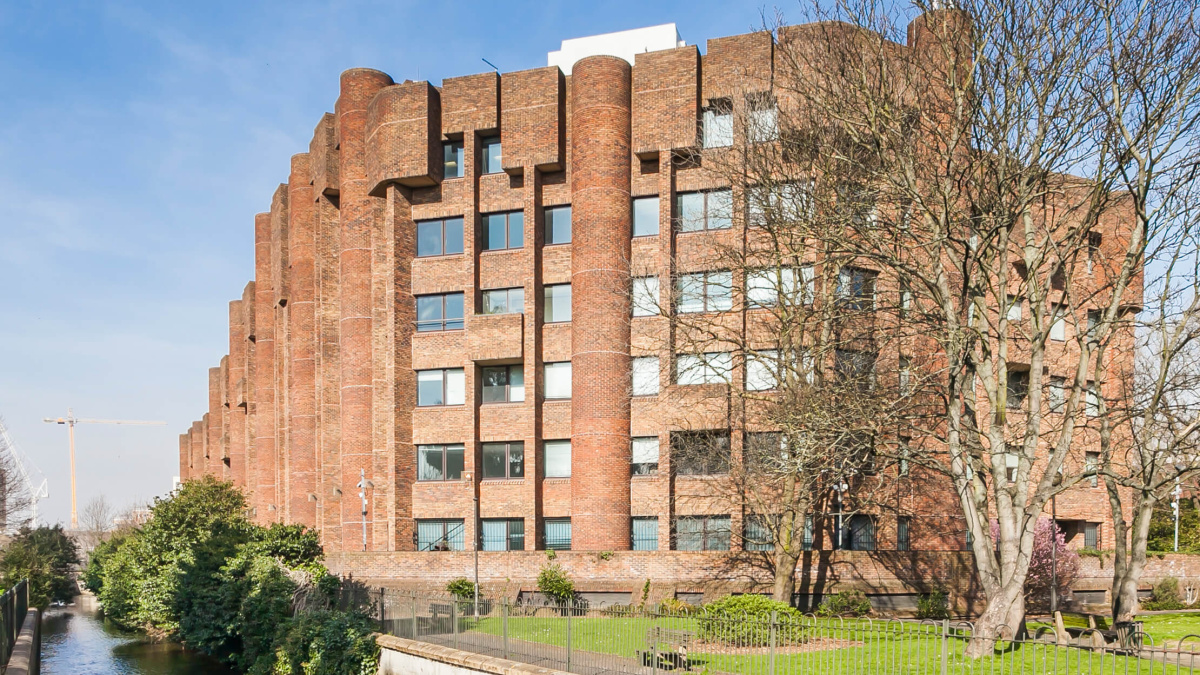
point(436, 325)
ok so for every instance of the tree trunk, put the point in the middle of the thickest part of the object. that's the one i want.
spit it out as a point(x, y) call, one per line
point(1004, 617)
point(785, 574)
point(1124, 595)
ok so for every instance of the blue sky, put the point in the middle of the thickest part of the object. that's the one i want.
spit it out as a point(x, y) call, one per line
point(138, 140)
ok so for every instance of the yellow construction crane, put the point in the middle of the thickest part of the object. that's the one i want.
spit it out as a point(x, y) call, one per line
point(71, 420)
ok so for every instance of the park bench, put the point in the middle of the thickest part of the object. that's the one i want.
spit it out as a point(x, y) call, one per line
point(667, 649)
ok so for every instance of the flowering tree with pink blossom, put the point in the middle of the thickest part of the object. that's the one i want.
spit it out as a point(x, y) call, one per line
point(1042, 570)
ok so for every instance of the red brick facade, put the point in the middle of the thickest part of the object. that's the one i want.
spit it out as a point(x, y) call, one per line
point(320, 388)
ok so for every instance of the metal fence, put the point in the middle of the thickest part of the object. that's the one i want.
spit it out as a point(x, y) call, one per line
point(14, 604)
point(595, 640)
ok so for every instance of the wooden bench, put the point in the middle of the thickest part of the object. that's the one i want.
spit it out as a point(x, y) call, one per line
point(667, 649)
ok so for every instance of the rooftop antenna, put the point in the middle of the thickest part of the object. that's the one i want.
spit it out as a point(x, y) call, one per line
point(490, 64)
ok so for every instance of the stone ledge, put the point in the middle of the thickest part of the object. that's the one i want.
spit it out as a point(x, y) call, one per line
point(26, 654)
point(462, 659)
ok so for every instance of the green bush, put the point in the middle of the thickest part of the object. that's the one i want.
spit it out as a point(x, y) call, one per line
point(933, 605)
point(554, 583)
point(844, 603)
point(45, 557)
point(462, 588)
point(677, 607)
point(745, 620)
point(323, 643)
point(1165, 596)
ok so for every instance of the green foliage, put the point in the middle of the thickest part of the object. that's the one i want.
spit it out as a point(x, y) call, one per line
point(844, 603)
point(554, 583)
point(44, 556)
point(1161, 536)
point(1091, 553)
point(1165, 596)
point(676, 607)
point(92, 576)
point(324, 643)
point(752, 627)
point(933, 605)
point(461, 588)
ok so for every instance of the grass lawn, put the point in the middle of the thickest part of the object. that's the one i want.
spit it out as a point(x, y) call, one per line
point(1172, 627)
point(857, 650)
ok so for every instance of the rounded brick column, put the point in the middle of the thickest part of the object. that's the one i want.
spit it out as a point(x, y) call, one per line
point(359, 215)
point(600, 304)
point(302, 399)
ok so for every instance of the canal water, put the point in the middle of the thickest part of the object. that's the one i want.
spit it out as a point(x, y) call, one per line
point(77, 641)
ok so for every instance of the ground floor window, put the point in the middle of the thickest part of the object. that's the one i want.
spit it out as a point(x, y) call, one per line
point(858, 533)
point(440, 535)
point(702, 533)
point(503, 534)
point(645, 534)
point(557, 534)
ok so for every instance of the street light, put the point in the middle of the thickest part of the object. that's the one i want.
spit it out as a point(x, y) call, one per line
point(1176, 494)
point(363, 485)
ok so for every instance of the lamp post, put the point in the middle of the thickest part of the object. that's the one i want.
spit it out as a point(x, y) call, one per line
point(1176, 494)
point(362, 486)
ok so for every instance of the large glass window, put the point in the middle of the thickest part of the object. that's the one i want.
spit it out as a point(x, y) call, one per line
point(557, 534)
point(439, 312)
point(762, 123)
point(762, 370)
point(439, 237)
point(903, 538)
point(558, 379)
point(1058, 325)
point(645, 296)
point(452, 152)
point(503, 534)
point(444, 386)
point(645, 455)
point(504, 460)
point(440, 535)
point(1092, 403)
point(855, 368)
point(557, 306)
point(1091, 536)
point(1018, 388)
point(778, 205)
point(645, 216)
point(1056, 396)
point(504, 301)
point(644, 534)
point(557, 460)
point(858, 533)
point(707, 368)
point(757, 533)
point(705, 292)
point(765, 287)
point(718, 124)
point(503, 384)
point(856, 288)
point(645, 376)
point(700, 453)
point(439, 462)
point(503, 230)
point(702, 533)
point(558, 224)
point(491, 155)
point(697, 211)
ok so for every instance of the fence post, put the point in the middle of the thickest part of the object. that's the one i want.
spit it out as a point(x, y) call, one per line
point(945, 644)
point(414, 614)
point(774, 638)
point(570, 611)
point(504, 624)
point(454, 619)
point(382, 614)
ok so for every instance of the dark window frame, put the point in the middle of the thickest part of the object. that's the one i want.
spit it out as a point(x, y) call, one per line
point(508, 459)
point(707, 218)
point(903, 533)
point(708, 299)
point(444, 448)
point(558, 544)
point(508, 304)
point(858, 291)
point(508, 230)
point(508, 386)
point(444, 323)
point(460, 159)
point(546, 297)
point(711, 526)
point(445, 388)
point(485, 143)
point(645, 199)
point(447, 524)
point(514, 534)
point(685, 463)
point(647, 544)
point(441, 224)
point(548, 229)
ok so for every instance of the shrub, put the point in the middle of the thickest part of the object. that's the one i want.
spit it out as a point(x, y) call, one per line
point(1042, 565)
point(745, 621)
point(1165, 596)
point(44, 556)
point(933, 605)
point(554, 583)
point(323, 643)
point(677, 607)
point(844, 603)
point(462, 588)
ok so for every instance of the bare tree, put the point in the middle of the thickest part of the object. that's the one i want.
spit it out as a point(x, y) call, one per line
point(17, 501)
point(96, 521)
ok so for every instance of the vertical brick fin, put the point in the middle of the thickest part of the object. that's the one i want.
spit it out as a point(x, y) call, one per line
point(248, 388)
point(235, 387)
point(360, 216)
point(185, 457)
point(471, 103)
point(196, 434)
point(600, 184)
point(264, 373)
point(223, 373)
point(666, 99)
point(738, 65)
point(324, 152)
point(404, 137)
point(533, 119)
point(302, 401)
point(328, 373)
point(213, 422)
point(279, 276)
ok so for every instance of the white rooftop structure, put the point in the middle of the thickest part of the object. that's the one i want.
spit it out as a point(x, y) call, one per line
point(625, 44)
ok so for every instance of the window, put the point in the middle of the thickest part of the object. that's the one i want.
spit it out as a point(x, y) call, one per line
point(1012, 463)
point(903, 543)
point(705, 292)
point(503, 230)
point(439, 312)
point(440, 387)
point(854, 368)
point(557, 306)
point(504, 460)
point(439, 237)
point(440, 535)
point(765, 451)
point(718, 124)
point(1093, 399)
point(1058, 325)
point(806, 541)
point(452, 151)
point(698, 211)
point(905, 375)
point(702, 533)
point(707, 368)
point(700, 453)
point(1093, 250)
point(856, 288)
point(645, 216)
point(905, 455)
point(644, 535)
point(906, 297)
point(557, 534)
point(503, 384)
point(1091, 536)
point(491, 154)
point(645, 455)
point(858, 533)
point(778, 205)
point(503, 534)
point(439, 462)
point(645, 376)
point(645, 296)
point(558, 379)
point(1093, 324)
point(1056, 396)
point(558, 224)
point(756, 533)
point(1014, 308)
point(1091, 465)
point(763, 121)
point(1018, 388)
point(764, 287)
point(762, 370)
point(504, 301)
point(557, 459)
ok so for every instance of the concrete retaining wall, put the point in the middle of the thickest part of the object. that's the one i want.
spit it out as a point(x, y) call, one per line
point(26, 657)
point(398, 656)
